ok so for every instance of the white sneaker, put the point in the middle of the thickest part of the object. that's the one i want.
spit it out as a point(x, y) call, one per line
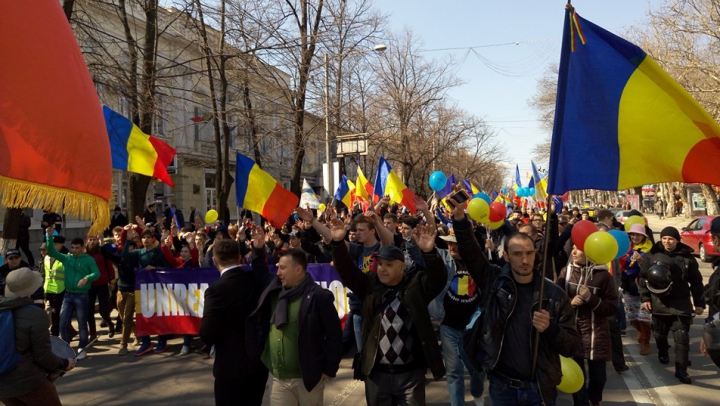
point(81, 354)
point(212, 352)
point(479, 401)
point(185, 350)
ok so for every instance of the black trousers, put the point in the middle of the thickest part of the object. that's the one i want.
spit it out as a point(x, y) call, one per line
point(680, 327)
point(24, 245)
point(248, 390)
point(101, 293)
point(618, 358)
point(55, 302)
point(596, 377)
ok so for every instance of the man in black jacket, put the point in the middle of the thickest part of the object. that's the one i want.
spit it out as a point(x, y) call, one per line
point(670, 305)
point(399, 342)
point(295, 331)
point(228, 302)
point(511, 319)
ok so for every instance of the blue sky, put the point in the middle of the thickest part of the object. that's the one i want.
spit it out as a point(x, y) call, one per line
point(499, 88)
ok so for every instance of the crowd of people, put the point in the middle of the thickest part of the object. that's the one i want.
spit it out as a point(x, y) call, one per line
point(416, 280)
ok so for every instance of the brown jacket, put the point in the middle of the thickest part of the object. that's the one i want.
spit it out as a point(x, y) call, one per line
point(591, 317)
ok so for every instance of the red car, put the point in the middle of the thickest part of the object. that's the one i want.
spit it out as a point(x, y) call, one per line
point(697, 236)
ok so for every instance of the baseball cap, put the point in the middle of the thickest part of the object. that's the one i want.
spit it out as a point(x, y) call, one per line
point(12, 253)
point(391, 253)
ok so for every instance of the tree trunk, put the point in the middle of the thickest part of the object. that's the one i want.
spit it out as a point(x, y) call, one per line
point(137, 189)
point(711, 205)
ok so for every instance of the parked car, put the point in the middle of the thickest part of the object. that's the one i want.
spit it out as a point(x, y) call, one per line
point(697, 236)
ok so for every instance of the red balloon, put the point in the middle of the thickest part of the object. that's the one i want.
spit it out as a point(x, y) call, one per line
point(497, 211)
point(581, 231)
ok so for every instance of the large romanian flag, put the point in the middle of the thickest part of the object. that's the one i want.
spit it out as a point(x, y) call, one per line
point(257, 191)
point(54, 151)
point(345, 192)
point(135, 151)
point(387, 182)
point(621, 121)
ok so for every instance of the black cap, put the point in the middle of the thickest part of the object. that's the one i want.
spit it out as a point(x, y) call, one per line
point(12, 253)
point(715, 226)
point(59, 239)
point(670, 232)
point(390, 253)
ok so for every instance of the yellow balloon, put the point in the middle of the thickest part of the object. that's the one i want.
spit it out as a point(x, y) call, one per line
point(211, 216)
point(633, 220)
point(497, 224)
point(478, 209)
point(601, 247)
point(572, 376)
point(322, 207)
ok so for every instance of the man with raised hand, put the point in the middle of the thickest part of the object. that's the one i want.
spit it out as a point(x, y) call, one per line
point(512, 317)
point(399, 342)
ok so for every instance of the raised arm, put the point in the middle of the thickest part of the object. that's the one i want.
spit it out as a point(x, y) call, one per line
point(321, 228)
point(386, 236)
point(349, 272)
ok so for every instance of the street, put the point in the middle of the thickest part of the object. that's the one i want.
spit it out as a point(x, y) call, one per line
point(160, 379)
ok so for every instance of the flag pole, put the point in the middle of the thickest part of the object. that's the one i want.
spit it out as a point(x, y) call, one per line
point(543, 269)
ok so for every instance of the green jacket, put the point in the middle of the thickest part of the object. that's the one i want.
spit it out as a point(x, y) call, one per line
point(76, 268)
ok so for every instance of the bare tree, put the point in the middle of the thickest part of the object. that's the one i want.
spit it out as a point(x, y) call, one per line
point(408, 87)
point(684, 38)
point(543, 101)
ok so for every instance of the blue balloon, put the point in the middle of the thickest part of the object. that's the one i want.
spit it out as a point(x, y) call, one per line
point(623, 242)
point(437, 181)
point(483, 196)
point(524, 191)
point(531, 191)
point(504, 190)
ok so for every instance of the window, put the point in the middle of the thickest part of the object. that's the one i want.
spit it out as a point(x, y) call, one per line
point(701, 224)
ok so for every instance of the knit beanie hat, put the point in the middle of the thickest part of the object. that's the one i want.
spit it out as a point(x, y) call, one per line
point(670, 232)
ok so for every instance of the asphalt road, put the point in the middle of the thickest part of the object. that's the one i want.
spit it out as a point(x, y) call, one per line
point(168, 379)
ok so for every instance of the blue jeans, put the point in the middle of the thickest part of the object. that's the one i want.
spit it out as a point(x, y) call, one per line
point(454, 367)
point(503, 395)
point(77, 302)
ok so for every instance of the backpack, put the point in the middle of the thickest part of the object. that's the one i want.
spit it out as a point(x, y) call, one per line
point(470, 348)
point(9, 357)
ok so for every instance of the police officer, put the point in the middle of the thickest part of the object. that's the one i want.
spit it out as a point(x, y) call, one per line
point(668, 278)
point(710, 345)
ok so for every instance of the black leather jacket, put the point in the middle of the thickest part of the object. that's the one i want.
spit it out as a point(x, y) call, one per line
point(561, 338)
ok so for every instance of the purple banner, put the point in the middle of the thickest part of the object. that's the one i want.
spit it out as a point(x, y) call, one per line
point(171, 301)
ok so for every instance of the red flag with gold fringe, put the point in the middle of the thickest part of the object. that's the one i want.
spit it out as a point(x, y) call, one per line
point(54, 149)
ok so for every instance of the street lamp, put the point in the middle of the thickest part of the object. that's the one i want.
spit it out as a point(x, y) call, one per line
point(327, 166)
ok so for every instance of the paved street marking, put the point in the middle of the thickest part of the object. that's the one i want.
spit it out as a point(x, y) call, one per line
point(345, 393)
point(639, 392)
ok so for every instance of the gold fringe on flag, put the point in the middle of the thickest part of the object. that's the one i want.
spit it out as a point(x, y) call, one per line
point(23, 194)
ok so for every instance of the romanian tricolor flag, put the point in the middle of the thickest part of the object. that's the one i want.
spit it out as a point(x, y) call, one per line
point(518, 183)
point(345, 192)
point(135, 151)
point(387, 182)
point(540, 184)
point(471, 188)
point(621, 121)
point(463, 285)
point(363, 188)
point(54, 153)
point(259, 192)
